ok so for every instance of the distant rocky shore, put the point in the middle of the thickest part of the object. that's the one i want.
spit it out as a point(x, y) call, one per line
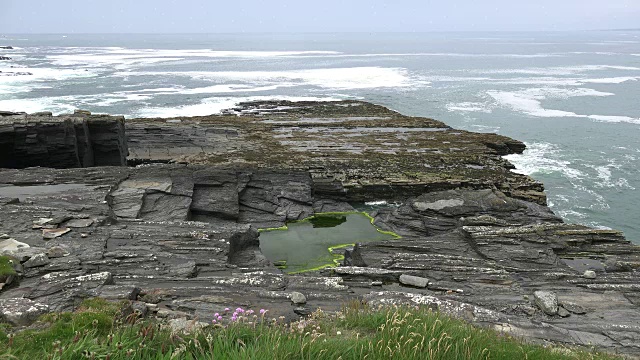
point(165, 212)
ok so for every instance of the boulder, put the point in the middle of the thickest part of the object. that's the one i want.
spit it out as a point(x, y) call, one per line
point(589, 274)
point(21, 311)
point(547, 301)
point(298, 298)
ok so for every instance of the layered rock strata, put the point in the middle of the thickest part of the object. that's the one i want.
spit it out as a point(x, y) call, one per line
point(78, 140)
point(177, 233)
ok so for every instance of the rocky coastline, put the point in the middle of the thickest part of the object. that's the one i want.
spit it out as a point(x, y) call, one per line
point(165, 213)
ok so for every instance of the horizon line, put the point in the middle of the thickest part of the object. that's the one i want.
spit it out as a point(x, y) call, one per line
point(312, 32)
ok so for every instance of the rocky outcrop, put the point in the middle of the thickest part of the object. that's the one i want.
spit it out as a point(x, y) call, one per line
point(177, 233)
point(78, 140)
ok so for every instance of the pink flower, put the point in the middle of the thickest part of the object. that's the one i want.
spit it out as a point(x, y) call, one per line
point(226, 309)
point(235, 314)
point(240, 310)
point(216, 315)
point(249, 312)
point(234, 318)
point(220, 318)
point(214, 321)
point(263, 311)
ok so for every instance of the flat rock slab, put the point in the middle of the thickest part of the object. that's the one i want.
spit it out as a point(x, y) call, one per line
point(12, 245)
point(79, 223)
point(54, 233)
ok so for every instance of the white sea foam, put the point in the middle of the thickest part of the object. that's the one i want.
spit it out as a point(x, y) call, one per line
point(469, 107)
point(331, 78)
point(614, 119)
point(529, 102)
point(121, 58)
point(41, 74)
point(216, 105)
point(561, 70)
point(462, 55)
point(543, 158)
point(613, 80)
point(52, 104)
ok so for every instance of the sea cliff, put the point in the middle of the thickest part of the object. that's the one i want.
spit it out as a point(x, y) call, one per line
point(175, 231)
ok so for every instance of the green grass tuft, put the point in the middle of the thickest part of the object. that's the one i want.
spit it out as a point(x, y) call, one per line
point(6, 268)
point(357, 332)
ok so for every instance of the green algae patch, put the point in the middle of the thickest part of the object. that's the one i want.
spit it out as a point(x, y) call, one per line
point(314, 243)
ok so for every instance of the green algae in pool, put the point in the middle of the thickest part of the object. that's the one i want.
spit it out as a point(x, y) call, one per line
point(307, 244)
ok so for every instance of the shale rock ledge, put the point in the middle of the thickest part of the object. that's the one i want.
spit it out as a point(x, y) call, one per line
point(176, 231)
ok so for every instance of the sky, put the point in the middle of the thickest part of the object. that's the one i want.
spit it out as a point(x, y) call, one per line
point(214, 16)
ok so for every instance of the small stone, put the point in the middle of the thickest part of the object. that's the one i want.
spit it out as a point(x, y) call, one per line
point(298, 298)
point(57, 252)
point(574, 308)
point(84, 236)
point(589, 274)
point(54, 233)
point(547, 301)
point(563, 312)
point(414, 281)
point(529, 310)
point(37, 260)
point(376, 283)
point(79, 223)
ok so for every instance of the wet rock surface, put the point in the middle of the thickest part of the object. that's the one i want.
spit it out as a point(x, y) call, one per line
point(178, 231)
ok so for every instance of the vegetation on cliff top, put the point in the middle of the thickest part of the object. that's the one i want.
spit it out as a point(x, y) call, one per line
point(98, 330)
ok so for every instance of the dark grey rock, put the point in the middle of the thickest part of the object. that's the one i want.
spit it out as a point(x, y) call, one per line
point(37, 260)
point(302, 311)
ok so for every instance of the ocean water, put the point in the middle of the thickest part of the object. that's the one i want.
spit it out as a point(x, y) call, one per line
point(572, 97)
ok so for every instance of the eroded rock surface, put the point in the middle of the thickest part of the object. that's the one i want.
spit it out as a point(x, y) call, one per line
point(179, 231)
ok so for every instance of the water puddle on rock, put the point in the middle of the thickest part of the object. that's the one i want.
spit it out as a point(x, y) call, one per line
point(309, 244)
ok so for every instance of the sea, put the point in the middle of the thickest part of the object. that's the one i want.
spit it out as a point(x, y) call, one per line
point(572, 97)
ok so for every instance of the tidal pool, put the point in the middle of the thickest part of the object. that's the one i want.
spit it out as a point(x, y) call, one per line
point(309, 244)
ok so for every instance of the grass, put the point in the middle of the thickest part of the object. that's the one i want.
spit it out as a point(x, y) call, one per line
point(5, 266)
point(358, 332)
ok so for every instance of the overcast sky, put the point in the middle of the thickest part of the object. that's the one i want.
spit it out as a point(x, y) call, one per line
point(192, 16)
